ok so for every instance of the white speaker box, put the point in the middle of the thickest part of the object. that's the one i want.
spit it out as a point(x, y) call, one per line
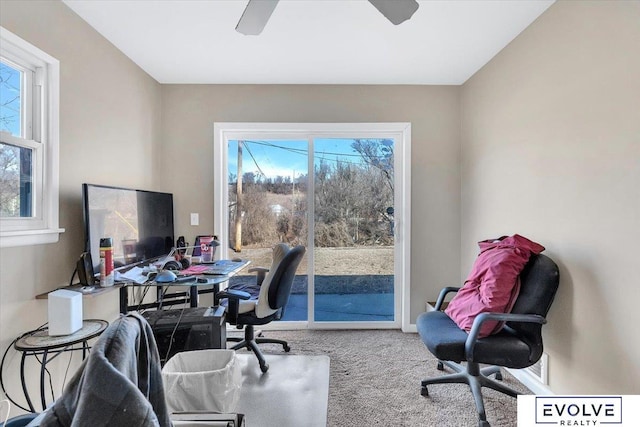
point(65, 312)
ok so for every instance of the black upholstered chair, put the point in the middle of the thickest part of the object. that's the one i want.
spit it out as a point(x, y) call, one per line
point(264, 302)
point(518, 345)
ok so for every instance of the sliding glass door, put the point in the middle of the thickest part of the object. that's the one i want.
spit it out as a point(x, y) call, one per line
point(334, 191)
point(353, 230)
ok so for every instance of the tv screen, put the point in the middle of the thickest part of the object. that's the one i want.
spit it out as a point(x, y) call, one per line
point(140, 223)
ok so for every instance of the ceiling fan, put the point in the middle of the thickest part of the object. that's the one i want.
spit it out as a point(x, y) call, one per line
point(257, 13)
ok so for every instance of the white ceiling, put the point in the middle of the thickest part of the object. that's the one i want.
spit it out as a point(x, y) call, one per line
point(309, 41)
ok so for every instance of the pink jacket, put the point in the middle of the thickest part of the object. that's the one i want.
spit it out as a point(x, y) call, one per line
point(493, 284)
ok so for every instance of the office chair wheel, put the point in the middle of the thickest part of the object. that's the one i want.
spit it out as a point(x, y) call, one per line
point(424, 391)
point(286, 348)
point(440, 366)
point(483, 423)
point(264, 368)
point(498, 376)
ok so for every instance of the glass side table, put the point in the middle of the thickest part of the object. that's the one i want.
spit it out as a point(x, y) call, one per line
point(39, 343)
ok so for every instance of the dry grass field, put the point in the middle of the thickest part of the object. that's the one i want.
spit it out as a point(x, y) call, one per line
point(376, 260)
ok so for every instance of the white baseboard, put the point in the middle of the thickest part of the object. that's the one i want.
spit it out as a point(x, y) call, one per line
point(530, 381)
point(410, 328)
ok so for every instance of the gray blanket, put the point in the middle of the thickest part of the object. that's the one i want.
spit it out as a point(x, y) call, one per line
point(119, 384)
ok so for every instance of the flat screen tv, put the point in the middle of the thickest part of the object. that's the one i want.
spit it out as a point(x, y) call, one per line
point(140, 224)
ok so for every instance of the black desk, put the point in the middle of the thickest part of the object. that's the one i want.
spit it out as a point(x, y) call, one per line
point(201, 284)
point(38, 342)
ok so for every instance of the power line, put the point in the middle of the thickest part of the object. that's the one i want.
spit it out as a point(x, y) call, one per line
point(254, 160)
point(304, 152)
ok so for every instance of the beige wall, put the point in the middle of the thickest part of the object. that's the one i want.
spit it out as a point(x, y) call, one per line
point(189, 112)
point(551, 150)
point(109, 123)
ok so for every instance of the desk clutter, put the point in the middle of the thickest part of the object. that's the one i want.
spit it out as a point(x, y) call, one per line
point(140, 275)
point(192, 282)
point(218, 267)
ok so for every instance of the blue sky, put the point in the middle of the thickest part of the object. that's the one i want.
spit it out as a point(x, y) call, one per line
point(10, 99)
point(288, 158)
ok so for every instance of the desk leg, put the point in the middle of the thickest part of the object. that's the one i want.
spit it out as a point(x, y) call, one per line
point(159, 296)
point(24, 383)
point(42, 387)
point(193, 296)
point(216, 291)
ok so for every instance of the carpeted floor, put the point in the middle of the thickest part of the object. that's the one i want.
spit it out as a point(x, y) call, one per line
point(375, 381)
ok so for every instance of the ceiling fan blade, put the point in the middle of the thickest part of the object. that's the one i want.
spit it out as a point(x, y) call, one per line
point(396, 11)
point(255, 16)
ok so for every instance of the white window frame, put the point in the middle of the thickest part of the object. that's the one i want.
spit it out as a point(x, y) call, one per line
point(40, 134)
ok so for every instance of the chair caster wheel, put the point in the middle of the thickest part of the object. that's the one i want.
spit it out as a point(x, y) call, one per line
point(440, 366)
point(264, 368)
point(424, 391)
point(483, 423)
point(499, 376)
point(286, 348)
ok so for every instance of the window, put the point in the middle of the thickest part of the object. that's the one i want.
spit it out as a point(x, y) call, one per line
point(29, 91)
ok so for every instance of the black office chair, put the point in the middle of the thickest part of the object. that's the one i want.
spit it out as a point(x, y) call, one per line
point(518, 345)
point(265, 302)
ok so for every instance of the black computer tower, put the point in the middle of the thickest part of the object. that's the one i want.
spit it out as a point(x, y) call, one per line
point(186, 329)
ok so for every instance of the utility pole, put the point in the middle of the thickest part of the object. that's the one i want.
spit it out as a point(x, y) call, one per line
point(239, 204)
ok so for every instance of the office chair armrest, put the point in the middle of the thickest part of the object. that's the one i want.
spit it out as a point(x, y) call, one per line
point(443, 295)
point(501, 317)
point(233, 294)
point(261, 273)
point(233, 306)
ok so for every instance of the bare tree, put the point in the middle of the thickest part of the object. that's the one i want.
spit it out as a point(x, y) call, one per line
point(9, 181)
point(9, 155)
point(352, 200)
point(378, 154)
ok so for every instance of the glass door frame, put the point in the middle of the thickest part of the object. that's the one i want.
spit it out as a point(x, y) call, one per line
point(399, 132)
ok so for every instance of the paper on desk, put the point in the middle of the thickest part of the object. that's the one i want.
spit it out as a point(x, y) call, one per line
point(195, 269)
point(133, 275)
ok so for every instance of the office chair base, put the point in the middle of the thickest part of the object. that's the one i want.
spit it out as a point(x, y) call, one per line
point(475, 378)
point(284, 344)
point(253, 346)
point(250, 342)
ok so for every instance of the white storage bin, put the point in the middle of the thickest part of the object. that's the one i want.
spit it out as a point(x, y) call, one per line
point(202, 380)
